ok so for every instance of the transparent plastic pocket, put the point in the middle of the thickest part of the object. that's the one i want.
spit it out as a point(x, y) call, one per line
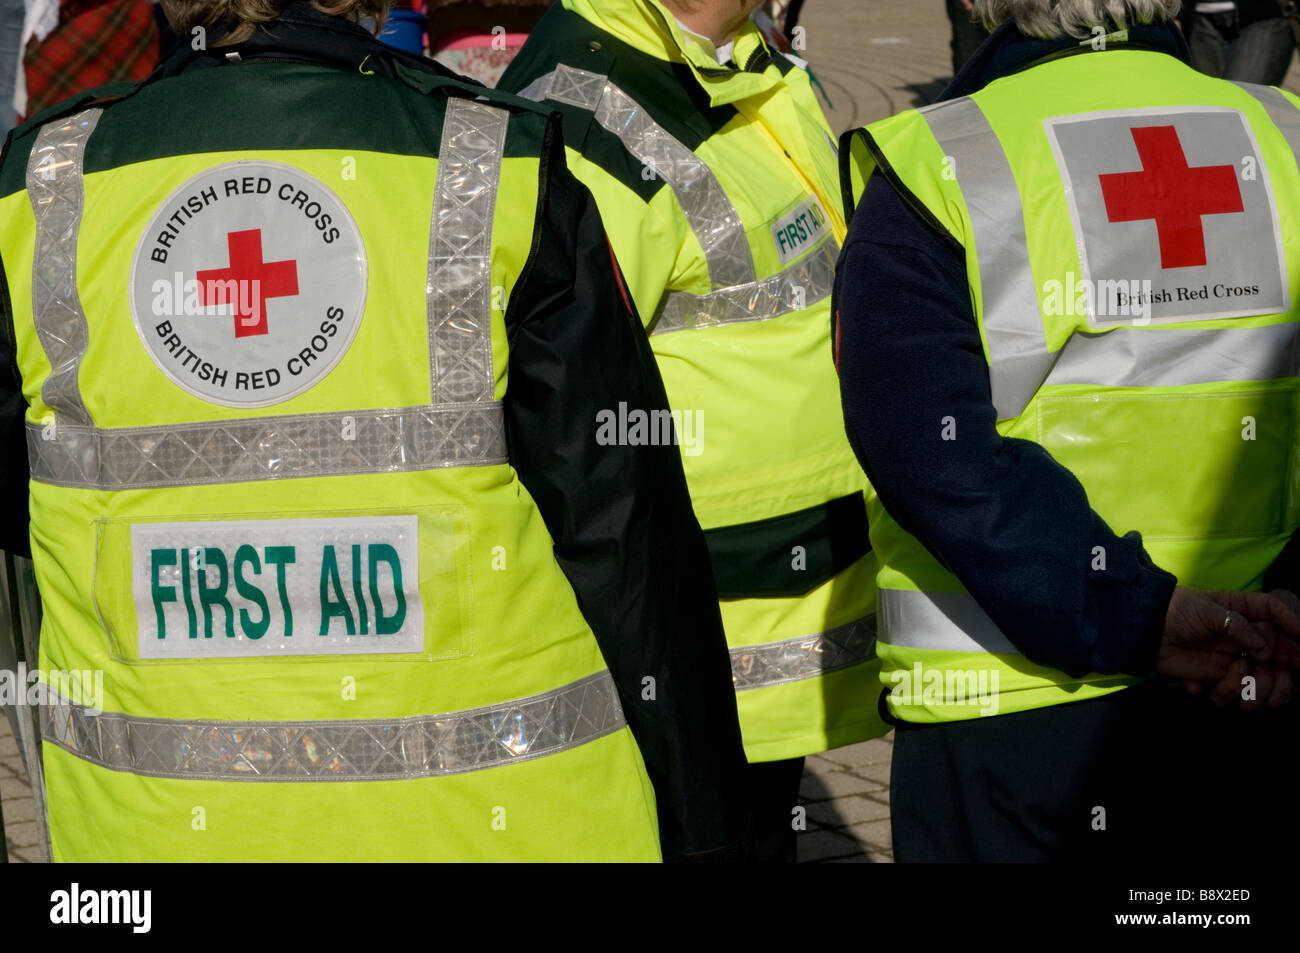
point(1180, 466)
point(368, 582)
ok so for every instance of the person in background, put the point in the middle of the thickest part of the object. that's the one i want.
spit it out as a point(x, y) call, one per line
point(715, 172)
point(479, 38)
point(96, 42)
point(1246, 41)
point(11, 38)
point(1084, 506)
point(967, 32)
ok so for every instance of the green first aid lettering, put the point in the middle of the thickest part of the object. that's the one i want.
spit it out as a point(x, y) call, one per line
point(279, 557)
point(211, 584)
point(391, 624)
point(332, 601)
point(157, 559)
point(185, 591)
point(214, 595)
point(245, 556)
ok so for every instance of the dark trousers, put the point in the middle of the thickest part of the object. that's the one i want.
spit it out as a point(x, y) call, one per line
point(1258, 52)
point(1145, 773)
point(967, 34)
point(774, 792)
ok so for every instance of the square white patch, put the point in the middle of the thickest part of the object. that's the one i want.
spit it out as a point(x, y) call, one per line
point(1174, 206)
point(242, 588)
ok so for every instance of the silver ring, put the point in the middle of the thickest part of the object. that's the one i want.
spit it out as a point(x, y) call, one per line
point(1227, 621)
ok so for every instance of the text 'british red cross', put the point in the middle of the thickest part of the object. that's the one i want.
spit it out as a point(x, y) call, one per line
point(1173, 193)
point(247, 282)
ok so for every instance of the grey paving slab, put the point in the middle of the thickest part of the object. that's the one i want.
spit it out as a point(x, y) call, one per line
point(819, 784)
point(825, 845)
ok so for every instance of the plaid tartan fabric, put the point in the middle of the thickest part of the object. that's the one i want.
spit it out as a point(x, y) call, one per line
point(96, 41)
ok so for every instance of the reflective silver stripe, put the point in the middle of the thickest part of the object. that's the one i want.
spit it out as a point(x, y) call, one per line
point(1127, 357)
point(460, 252)
point(943, 621)
point(802, 285)
point(463, 426)
point(1281, 110)
point(369, 749)
point(268, 448)
point(807, 656)
point(57, 194)
point(712, 217)
point(1013, 326)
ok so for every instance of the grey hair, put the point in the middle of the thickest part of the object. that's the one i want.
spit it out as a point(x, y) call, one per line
point(1048, 19)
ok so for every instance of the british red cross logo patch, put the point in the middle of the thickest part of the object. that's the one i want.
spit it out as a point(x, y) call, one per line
point(263, 279)
point(249, 283)
point(1177, 201)
point(1172, 194)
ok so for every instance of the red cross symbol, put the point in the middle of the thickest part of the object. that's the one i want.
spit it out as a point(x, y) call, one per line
point(1173, 193)
point(248, 282)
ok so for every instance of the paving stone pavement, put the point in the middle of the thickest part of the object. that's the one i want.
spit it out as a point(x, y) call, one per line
point(873, 58)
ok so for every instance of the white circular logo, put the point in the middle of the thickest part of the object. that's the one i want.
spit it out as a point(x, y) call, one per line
point(249, 283)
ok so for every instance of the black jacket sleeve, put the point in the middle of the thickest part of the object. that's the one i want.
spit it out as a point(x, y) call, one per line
point(13, 437)
point(621, 518)
point(1008, 520)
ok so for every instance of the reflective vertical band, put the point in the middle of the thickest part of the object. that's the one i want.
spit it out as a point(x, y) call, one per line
point(1013, 327)
point(802, 285)
point(268, 448)
point(463, 426)
point(1281, 110)
point(460, 252)
point(942, 621)
point(807, 656)
point(57, 193)
point(369, 749)
point(712, 217)
point(1173, 357)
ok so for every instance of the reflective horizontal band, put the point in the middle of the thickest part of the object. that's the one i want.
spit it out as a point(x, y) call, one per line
point(775, 663)
point(712, 217)
point(943, 621)
point(1281, 110)
point(459, 298)
point(370, 749)
point(268, 448)
point(1013, 326)
point(57, 194)
point(462, 426)
point(802, 285)
point(1170, 357)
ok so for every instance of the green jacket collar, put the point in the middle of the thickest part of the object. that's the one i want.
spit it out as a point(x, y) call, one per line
point(651, 28)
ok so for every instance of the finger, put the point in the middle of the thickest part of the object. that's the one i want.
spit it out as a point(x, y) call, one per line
point(1227, 691)
point(1196, 664)
point(1279, 610)
point(1254, 639)
point(1280, 607)
point(1264, 676)
point(1283, 689)
point(1286, 652)
point(1192, 686)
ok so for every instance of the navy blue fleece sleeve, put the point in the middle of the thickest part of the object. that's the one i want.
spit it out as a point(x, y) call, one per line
point(1009, 521)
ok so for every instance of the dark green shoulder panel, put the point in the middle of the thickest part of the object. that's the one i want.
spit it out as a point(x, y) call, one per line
point(18, 145)
point(277, 106)
point(668, 92)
